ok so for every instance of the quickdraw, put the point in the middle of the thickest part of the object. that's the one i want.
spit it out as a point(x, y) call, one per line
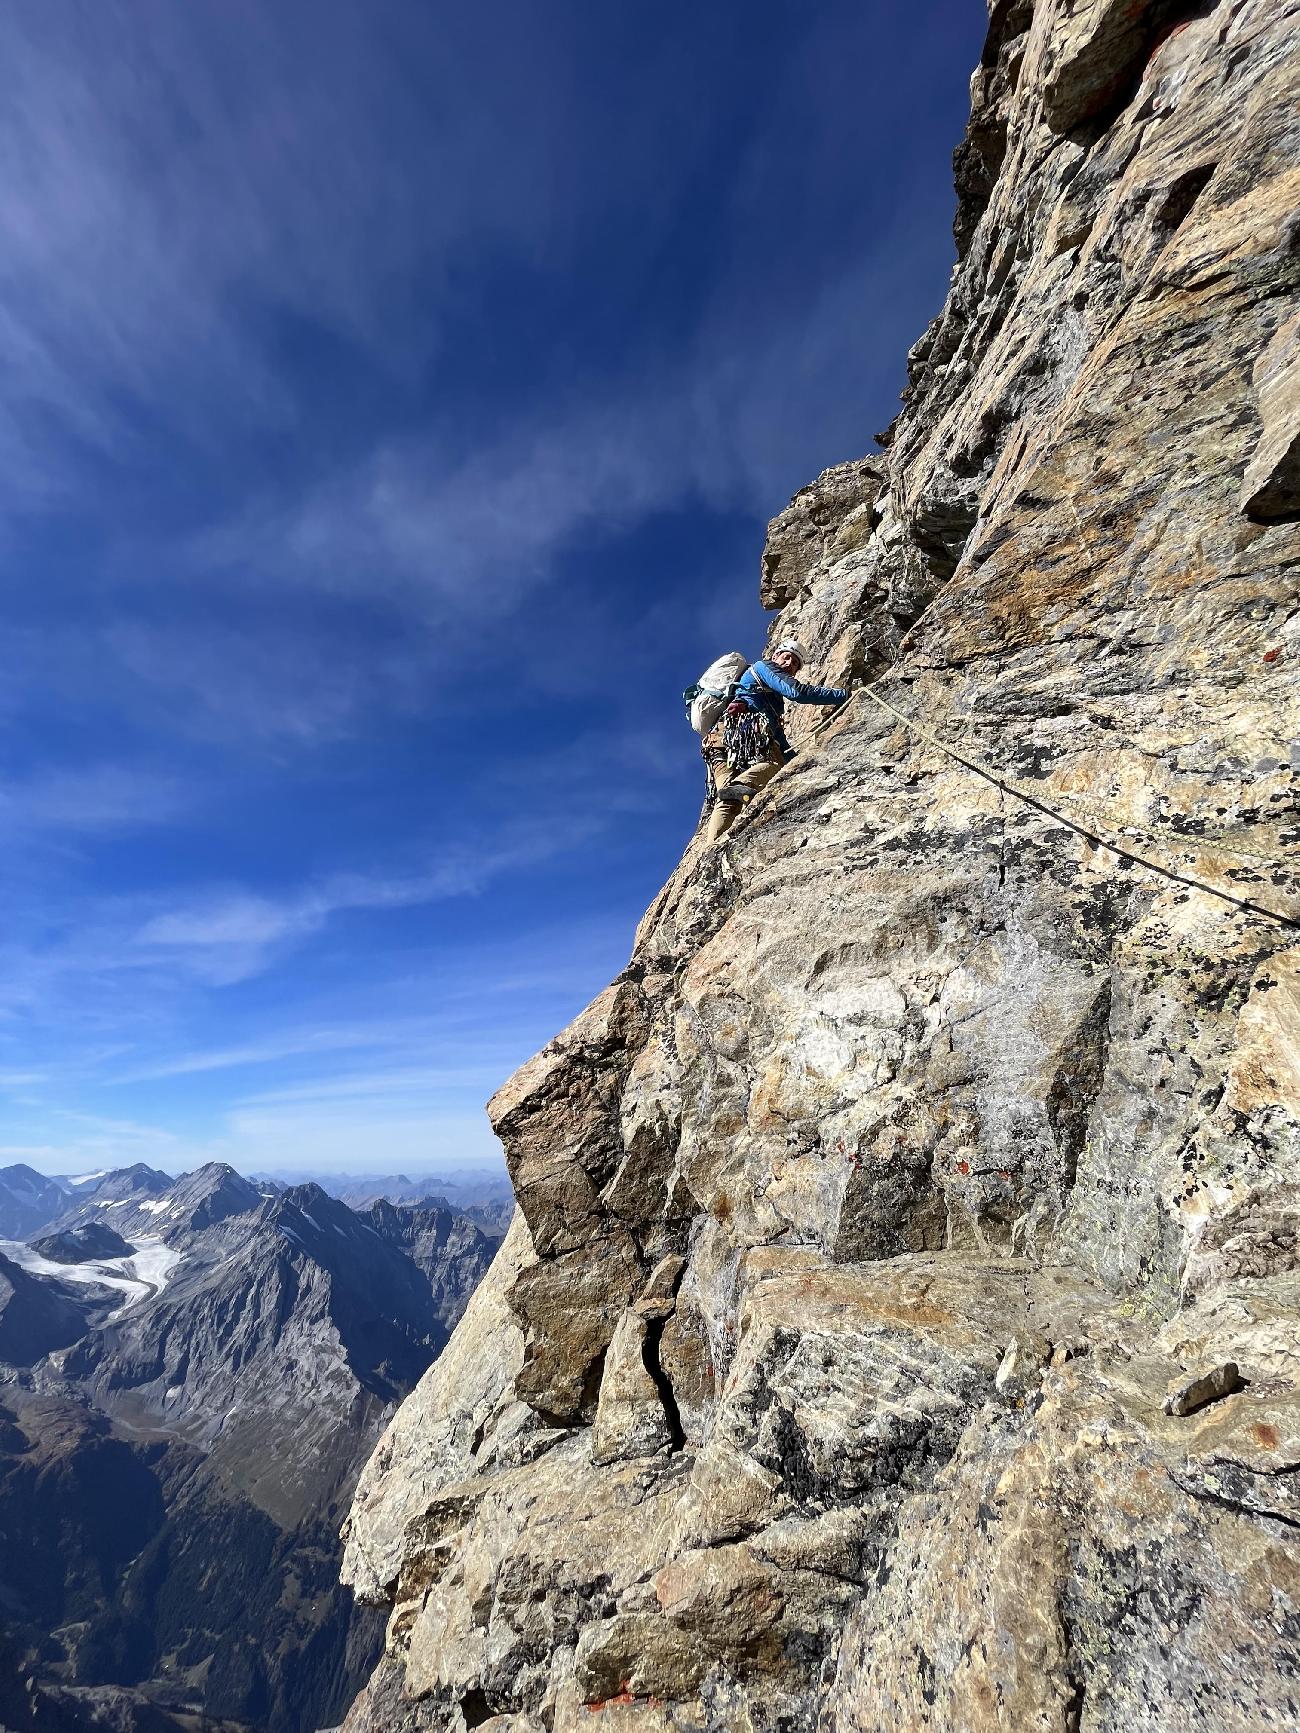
point(746, 737)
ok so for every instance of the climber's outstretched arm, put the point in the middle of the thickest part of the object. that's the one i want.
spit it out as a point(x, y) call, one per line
point(797, 691)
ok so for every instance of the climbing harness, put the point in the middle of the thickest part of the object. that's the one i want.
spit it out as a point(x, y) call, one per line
point(1038, 798)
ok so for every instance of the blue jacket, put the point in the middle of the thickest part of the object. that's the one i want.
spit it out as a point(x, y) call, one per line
point(763, 687)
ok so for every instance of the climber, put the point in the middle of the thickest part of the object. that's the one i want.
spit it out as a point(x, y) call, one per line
point(747, 746)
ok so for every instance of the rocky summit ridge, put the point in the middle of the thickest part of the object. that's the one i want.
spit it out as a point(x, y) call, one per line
point(900, 1328)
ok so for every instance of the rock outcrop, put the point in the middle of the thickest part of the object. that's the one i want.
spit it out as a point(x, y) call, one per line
point(94, 1241)
point(901, 1328)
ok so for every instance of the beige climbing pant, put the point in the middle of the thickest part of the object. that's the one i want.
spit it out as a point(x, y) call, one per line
point(726, 812)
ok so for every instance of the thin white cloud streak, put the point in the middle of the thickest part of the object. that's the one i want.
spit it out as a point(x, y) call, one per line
point(458, 543)
point(471, 1010)
point(118, 960)
point(421, 1053)
point(275, 689)
point(452, 543)
point(299, 1044)
point(96, 1141)
point(455, 549)
point(330, 1137)
point(448, 548)
point(184, 181)
point(181, 175)
point(226, 936)
point(417, 1006)
point(260, 685)
point(380, 1088)
point(412, 1099)
point(229, 936)
point(394, 1089)
point(105, 797)
point(415, 1136)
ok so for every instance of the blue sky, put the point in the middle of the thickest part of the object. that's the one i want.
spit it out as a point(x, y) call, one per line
point(395, 396)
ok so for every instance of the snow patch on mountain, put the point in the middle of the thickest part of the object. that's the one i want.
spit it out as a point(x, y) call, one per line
point(145, 1273)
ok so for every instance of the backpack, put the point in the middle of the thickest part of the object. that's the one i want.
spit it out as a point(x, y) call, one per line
point(712, 692)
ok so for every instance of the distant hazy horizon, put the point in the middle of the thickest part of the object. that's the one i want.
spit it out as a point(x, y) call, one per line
point(460, 1172)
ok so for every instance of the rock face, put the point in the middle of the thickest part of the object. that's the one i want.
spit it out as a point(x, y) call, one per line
point(891, 1227)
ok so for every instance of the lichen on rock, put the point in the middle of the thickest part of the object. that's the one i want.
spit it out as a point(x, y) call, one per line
point(943, 1123)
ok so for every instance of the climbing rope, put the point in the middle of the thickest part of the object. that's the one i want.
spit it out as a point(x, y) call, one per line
point(1039, 799)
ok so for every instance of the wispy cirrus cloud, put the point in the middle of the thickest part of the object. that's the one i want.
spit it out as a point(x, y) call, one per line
point(179, 177)
point(759, 399)
point(226, 936)
point(192, 189)
point(119, 959)
point(96, 797)
point(380, 1088)
point(258, 685)
point(296, 1044)
point(200, 191)
point(263, 684)
point(386, 1089)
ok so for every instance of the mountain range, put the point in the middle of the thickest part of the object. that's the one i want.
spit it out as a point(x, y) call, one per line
point(192, 1372)
point(29, 1201)
point(482, 1194)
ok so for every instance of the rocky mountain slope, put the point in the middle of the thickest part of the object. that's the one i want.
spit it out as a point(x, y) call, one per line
point(901, 1328)
point(34, 1316)
point(92, 1242)
point(452, 1250)
point(28, 1200)
point(278, 1344)
point(141, 1201)
point(183, 1414)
